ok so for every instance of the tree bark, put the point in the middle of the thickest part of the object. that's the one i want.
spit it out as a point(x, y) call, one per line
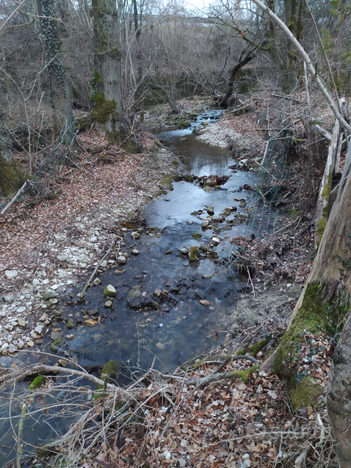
point(12, 176)
point(60, 93)
point(225, 101)
point(331, 273)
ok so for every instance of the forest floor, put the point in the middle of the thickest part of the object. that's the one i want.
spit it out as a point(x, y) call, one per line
point(246, 421)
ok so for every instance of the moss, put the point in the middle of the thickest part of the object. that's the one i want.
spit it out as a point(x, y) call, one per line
point(327, 188)
point(241, 352)
point(12, 176)
point(38, 382)
point(256, 347)
point(197, 236)
point(184, 124)
point(175, 163)
point(305, 393)
point(110, 370)
point(188, 178)
point(56, 344)
point(203, 248)
point(244, 375)
point(103, 109)
point(193, 254)
point(315, 315)
point(321, 223)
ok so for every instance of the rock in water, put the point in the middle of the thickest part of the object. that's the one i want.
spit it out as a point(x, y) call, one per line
point(194, 253)
point(110, 291)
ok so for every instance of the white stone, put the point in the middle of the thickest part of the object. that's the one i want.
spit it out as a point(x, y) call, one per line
point(35, 282)
point(11, 274)
point(20, 344)
point(215, 241)
point(103, 264)
point(8, 327)
point(93, 239)
point(21, 309)
point(97, 281)
point(121, 260)
point(21, 322)
point(62, 258)
point(40, 328)
point(12, 348)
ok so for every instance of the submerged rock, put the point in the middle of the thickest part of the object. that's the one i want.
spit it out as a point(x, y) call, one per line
point(97, 282)
point(137, 299)
point(194, 253)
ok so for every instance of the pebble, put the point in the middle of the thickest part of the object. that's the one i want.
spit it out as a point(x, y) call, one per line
point(62, 258)
point(35, 282)
point(205, 223)
point(110, 291)
point(215, 241)
point(90, 323)
point(20, 344)
point(121, 260)
point(70, 337)
point(135, 235)
point(49, 294)
point(21, 309)
point(53, 301)
point(97, 281)
point(160, 346)
point(8, 298)
point(204, 302)
point(11, 274)
point(103, 264)
point(158, 292)
point(184, 251)
point(135, 252)
point(12, 349)
point(21, 322)
point(119, 272)
point(108, 303)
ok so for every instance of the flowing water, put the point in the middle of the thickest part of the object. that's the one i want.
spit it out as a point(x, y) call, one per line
point(169, 325)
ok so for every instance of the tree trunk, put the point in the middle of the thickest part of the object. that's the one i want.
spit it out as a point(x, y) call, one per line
point(225, 101)
point(11, 174)
point(106, 97)
point(60, 93)
point(323, 306)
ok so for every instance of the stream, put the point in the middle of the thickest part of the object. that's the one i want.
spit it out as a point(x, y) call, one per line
point(167, 309)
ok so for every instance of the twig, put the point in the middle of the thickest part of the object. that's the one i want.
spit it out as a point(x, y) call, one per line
point(253, 289)
point(14, 198)
point(93, 273)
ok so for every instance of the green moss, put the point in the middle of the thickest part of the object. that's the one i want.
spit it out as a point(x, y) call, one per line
point(305, 393)
point(315, 315)
point(256, 348)
point(56, 344)
point(110, 370)
point(103, 109)
point(197, 236)
point(244, 375)
point(193, 254)
point(327, 188)
point(188, 178)
point(241, 352)
point(12, 176)
point(321, 223)
point(175, 163)
point(203, 248)
point(38, 382)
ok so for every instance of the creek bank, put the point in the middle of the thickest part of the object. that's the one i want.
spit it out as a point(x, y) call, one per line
point(31, 296)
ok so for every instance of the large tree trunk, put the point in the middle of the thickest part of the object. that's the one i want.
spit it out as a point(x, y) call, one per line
point(60, 93)
point(323, 306)
point(106, 81)
point(11, 173)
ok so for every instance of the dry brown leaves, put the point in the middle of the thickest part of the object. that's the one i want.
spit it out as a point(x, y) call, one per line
point(82, 188)
point(228, 423)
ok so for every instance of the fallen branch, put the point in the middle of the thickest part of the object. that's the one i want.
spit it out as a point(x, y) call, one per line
point(14, 198)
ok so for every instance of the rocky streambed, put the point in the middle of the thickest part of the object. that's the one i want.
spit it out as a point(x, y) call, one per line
point(163, 292)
